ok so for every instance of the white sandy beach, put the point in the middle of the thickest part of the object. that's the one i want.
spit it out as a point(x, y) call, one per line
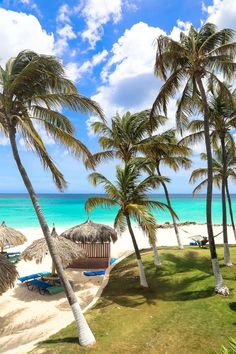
point(26, 317)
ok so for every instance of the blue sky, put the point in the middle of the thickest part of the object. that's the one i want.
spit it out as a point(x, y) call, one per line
point(107, 49)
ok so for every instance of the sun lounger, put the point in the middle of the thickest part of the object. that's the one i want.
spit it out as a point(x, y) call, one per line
point(38, 284)
point(93, 274)
point(55, 289)
point(32, 276)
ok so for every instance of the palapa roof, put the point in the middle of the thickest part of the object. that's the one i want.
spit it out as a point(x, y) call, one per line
point(8, 274)
point(91, 232)
point(11, 236)
point(67, 250)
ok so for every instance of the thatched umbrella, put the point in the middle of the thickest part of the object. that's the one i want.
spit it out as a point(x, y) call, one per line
point(8, 274)
point(91, 232)
point(66, 250)
point(10, 236)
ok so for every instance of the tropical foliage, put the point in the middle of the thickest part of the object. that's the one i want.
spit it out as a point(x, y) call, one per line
point(192, 65)
point(129, 194)
point(34, 89)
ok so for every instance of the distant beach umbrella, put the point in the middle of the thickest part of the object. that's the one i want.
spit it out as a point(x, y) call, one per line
point(66, 250)
point(10, 236)
point(8, 274)
point(90, 232)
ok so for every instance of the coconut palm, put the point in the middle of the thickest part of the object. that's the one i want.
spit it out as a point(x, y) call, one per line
point(163, 149)
point(195, 61)
point(34, 88)
point(222, 120)
point(218, 175)
point(119, 138)
point(129, 194)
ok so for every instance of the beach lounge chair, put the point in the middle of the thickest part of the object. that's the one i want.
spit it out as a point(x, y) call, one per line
point(40, 285)
point(94, 273)
point(32, 276)
point(55, 289)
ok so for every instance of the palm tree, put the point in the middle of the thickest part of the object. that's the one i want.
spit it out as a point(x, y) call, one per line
point(33, 88)
point(197, 58)
point(164, 149)
point(218, 175)
point(119, 138)
point(129, 193)
point(222, 120)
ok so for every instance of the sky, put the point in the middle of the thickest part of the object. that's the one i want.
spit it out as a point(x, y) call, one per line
point(107, 48)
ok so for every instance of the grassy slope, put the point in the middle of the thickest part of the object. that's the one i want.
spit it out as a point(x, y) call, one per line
point(179, 314)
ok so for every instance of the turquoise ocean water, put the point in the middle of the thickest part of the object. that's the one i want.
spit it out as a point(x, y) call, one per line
point(68, 209)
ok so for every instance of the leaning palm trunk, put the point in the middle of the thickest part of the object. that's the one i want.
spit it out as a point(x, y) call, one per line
point(180, 245)
point(230, 209)
point(143, 280)
point(219, 283)
point(85, 335)
point(157, 260)
point(227, 260)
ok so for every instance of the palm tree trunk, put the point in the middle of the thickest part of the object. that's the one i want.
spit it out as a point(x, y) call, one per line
point(143, 280)
point(85, 335)
point(227, 260)
point(230, 208)
point(219, 283)
point(157, 260)
point(180, 245)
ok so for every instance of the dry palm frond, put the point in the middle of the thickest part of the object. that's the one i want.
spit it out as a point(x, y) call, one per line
point(91, 232)
point(10, 236)
point(66, 250)
point(8, 274)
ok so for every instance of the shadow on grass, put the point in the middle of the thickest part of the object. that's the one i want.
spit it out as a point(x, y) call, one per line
point(61, 340)
point(124, 288)
point(232, 306)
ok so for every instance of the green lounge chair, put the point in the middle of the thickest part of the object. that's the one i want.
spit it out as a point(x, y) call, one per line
point(55, 289)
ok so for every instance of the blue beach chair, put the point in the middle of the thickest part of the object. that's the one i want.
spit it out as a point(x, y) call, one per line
point(40, 285)
point(32, 276)
point(94, 273)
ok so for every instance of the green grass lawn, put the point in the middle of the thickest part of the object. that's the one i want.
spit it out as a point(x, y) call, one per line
point(178, 314)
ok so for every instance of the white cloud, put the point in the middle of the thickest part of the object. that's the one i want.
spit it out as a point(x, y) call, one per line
point(97, 14)
point(64, 13)
point(181, 27)
point(66, 32)
point(16, 36)
point(4, 140)
point(129, 82)
point(74, 71)
point(222, 13)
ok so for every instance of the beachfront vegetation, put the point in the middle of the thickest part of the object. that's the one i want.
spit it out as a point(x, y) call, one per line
point(217, 167)
point(164, 149)
point(222, 119)
point(130, 194)
point(130, 135)
point(34, 88)
point(179, 313)
point(192, 66)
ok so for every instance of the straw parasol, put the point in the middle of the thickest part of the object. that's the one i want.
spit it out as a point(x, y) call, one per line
point(91, 232)
point(8, 274)
point(66, 250)
point(10, 236)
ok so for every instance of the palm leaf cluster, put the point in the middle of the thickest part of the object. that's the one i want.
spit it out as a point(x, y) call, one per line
point(34, 90)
